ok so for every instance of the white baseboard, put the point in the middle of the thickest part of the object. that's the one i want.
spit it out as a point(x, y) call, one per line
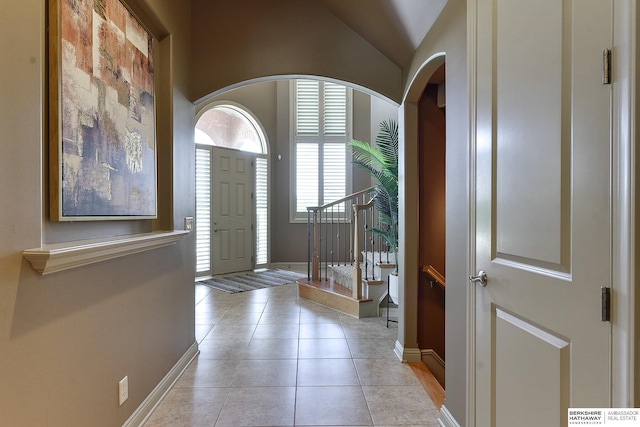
point(407, 354)
point(294, 266)
point(446, 419)
point(146, 408)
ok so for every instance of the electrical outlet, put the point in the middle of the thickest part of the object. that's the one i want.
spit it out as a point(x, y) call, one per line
point(188, 223)
point(123, 390)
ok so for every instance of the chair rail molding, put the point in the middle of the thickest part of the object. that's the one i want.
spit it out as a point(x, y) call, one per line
point(52, 258)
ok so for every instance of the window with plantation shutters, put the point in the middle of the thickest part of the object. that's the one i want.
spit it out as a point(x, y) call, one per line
point(322, 127)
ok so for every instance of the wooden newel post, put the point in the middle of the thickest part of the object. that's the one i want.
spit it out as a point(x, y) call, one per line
point(357, 272)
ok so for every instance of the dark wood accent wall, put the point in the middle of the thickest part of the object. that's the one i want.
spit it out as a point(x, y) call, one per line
point(431, 303)
point(431, 316)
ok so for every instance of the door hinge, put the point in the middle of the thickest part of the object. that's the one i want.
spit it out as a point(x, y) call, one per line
point(606, 67)
point(605, 295)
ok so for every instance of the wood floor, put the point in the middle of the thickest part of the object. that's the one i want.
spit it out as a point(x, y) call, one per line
point(433, 387)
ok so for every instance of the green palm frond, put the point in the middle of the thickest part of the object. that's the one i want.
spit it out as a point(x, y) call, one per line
point(387, 143)
point(367, 155)
point(381, 162)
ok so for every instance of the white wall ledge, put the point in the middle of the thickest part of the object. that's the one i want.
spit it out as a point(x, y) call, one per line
point(56, 257)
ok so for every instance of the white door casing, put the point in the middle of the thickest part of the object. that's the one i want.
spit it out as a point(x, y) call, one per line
point(231, 210)
point(543, 209)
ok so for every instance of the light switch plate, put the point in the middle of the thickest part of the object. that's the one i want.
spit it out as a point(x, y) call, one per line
point(188, 223)
point(123, 390)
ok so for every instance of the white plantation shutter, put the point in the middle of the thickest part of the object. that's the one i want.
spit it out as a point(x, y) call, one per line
point(307, 167)
point(335, 110)
point(322, 129)
point(335, 166)
point(308, 107)
point(203, 210)
point(262, 220)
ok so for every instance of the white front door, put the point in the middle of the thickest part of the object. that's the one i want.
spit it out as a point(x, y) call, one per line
point(543, 210)
point(231, 210)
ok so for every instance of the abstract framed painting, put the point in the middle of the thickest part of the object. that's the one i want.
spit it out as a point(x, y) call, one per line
point(102, 126)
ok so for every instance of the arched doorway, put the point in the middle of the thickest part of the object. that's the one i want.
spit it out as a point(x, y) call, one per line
point(432, 223)
point(231, 190)
point(412, 345)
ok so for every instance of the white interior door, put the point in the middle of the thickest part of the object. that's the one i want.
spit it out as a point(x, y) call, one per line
point(231, 210)
point(543, 204)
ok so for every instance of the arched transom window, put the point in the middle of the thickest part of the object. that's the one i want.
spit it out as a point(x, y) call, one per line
point(228, 126)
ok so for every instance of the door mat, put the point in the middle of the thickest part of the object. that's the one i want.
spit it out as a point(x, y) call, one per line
point(250, 281)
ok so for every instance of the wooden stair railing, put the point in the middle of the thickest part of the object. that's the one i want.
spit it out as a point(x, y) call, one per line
point(435, 276)
point(338, 233)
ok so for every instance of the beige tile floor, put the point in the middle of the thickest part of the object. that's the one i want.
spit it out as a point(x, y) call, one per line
point(269, 358)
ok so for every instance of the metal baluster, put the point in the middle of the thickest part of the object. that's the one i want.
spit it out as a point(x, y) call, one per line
point(326, 245)
point(320, 247)
point(308, 245)
point(350, 239)
point(338, 238)
point(332, 235)
point(380, 241)
point(373, 249)
point(364, 246)
point(388, 248)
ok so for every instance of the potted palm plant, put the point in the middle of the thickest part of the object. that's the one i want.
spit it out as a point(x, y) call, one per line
point(381, 162)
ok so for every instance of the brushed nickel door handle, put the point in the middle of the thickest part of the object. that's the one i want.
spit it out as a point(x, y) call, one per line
point(481, 278)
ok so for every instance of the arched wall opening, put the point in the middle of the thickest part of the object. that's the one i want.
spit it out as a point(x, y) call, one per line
point(269, 102)
point(432, 223)
point(408, 346)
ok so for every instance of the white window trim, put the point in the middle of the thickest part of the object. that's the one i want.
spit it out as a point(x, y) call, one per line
point(294, 216)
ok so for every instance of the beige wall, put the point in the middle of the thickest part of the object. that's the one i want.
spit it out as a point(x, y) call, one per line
point(241, 40)
point(447, 36)
point(67, 339)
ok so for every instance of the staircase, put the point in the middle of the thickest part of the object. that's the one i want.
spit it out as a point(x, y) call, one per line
point(336, 231)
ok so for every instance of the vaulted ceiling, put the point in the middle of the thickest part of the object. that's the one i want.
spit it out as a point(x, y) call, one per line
point(394, 27)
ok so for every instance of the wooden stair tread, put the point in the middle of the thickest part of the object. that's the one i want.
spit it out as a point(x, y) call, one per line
point(385, 265)
point(330, 294)
point(331, 287)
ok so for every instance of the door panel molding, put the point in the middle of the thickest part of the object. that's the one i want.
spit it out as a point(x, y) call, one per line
point(533, 266)
point(539, 373)
point(539, 159)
